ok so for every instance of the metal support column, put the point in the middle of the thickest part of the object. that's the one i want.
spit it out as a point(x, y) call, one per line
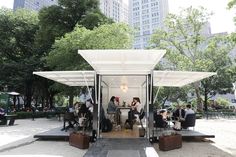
point(96, 109)
point(99, 104)
point(150, 102)
point(147, 109)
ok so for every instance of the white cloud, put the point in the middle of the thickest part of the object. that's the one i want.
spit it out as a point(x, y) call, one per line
point(6, 3)
point(222, 19)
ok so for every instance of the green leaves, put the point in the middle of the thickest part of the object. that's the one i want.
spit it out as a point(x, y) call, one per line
point(190, 47)
point(64, 55)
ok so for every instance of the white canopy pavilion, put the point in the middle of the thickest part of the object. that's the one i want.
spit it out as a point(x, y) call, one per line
point(131, 68)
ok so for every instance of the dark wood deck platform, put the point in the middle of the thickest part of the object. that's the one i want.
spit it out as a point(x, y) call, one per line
point(57, 134)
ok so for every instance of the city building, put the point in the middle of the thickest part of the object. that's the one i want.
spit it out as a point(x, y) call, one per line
point(115, 9)
point(145, 16)
point(33, 4)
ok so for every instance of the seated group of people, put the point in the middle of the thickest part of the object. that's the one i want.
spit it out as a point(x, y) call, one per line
point(178, 116)
point(82, 113)
point(113, 107)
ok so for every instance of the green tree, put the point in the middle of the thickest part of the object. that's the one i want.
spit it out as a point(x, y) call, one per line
point(64, 55)
point(19, 57)
point(172, 94)
point(55, 21)
point(188, 48)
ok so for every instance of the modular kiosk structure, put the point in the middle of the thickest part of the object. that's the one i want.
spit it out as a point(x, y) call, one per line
point(124, 73)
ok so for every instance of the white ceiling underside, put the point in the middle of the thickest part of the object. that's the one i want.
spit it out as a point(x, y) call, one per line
point(160, 78)
point(70, 78)
point(178, 78)
point(130, 81)
point(115, 62)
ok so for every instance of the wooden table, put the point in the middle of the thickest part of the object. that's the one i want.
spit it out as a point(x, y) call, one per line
point(124, 108)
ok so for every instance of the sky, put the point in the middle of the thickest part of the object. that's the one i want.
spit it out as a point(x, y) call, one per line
point(221, 20)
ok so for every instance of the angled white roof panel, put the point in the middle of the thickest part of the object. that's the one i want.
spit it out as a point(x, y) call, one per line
point(122, 61)
point(70, 78)
point(178, 78)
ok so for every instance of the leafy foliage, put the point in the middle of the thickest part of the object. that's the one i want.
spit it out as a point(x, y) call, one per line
point(190, 48)
point(55, 21)
point(19, 56)
point(64, 55)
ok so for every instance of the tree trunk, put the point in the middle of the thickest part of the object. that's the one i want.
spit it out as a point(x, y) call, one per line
point(51, 100)
point(43, 102)
point(205, 99)
point(28, 93)
point(71, 97)
point(18, 103)
point(199, 99)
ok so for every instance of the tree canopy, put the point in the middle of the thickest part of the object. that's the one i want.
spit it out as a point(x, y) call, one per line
point(56, 20)
point(64, 55)
point(18, 53)
point(190, 48)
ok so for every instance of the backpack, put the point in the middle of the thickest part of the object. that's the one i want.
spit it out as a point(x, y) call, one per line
point(106, 125)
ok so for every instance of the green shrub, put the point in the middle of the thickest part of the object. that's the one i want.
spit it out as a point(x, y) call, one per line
point(222, 102)
point(25, 115)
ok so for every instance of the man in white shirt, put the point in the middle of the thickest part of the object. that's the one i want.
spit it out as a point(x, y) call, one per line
point(188, 110)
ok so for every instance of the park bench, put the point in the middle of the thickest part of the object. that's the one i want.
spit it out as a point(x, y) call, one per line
point(11, 118)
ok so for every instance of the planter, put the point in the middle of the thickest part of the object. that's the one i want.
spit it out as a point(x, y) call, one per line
point(170, 142)
point(79, 140)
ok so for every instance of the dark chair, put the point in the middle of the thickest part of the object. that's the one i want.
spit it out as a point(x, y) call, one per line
point(159, 122)
point(3, 120)
point(111, 116)
point(141, 116)
point(70, 118)
point(189, 121)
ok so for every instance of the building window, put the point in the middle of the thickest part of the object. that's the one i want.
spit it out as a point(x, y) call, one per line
point(144, 1)
point(146, 22)
point(146, 27)
point(146, 32)
point(155, 14)
point(145, 16)
point(154, 4)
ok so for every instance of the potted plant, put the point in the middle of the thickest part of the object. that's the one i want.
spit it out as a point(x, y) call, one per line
point(80, 139)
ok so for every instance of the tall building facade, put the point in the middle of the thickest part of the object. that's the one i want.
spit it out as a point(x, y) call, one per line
point(145, 16)
point(33, 4)
point(115, 9)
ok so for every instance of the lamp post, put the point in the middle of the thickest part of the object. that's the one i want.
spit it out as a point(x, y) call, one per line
point(234, 88)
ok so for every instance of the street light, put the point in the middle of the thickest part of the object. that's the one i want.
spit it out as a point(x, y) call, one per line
point(234, 88)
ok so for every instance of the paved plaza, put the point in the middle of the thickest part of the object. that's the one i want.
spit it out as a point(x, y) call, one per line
point(17, 141)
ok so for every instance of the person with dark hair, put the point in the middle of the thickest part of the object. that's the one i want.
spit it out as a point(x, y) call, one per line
point(111, 105)
point(3, 119)
point(179, 113)
point(188, 110)
point(136, 105)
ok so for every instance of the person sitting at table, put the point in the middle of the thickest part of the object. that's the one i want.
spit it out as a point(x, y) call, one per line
point(163, 113)
point(188, 110)
point(112, 108)
point(179, 113)
point(136, 105)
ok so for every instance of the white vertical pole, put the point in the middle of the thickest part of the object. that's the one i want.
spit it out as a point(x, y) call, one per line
point(147, 102)
point(99, 104)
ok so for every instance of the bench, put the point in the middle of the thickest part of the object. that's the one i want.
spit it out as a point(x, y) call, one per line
point(11, 119)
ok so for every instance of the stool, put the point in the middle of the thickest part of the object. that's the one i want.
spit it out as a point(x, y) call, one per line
point(112, 116)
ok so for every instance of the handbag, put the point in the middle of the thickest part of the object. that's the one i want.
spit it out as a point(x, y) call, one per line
point(177, 125)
